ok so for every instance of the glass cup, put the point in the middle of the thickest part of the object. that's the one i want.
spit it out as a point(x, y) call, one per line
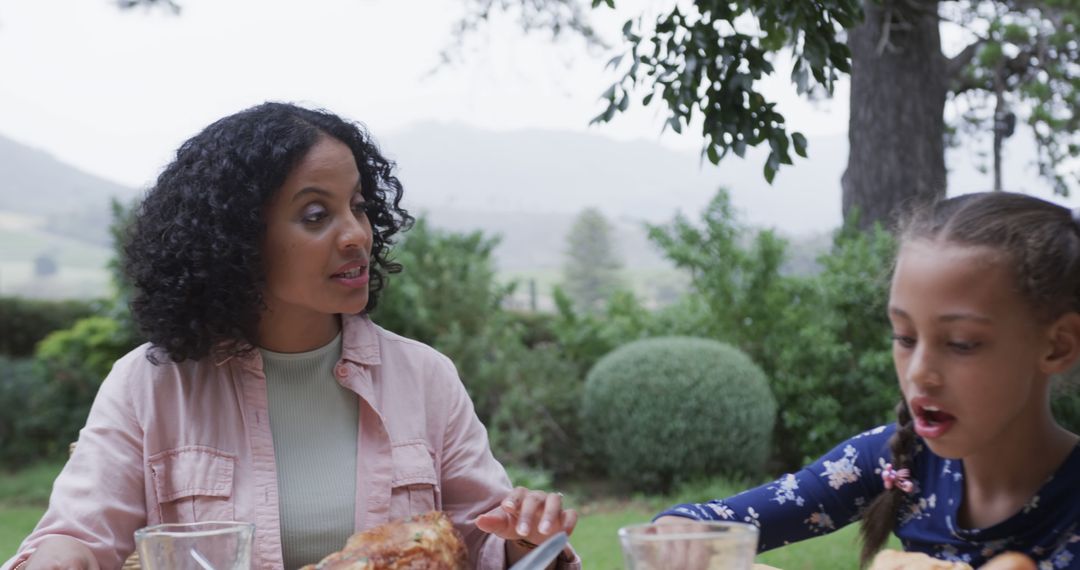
point(195, 546)
point(690, 545)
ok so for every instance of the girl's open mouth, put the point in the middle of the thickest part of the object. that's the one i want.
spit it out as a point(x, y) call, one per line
point(931, 421)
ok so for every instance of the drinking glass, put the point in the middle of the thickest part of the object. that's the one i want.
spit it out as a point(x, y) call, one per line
point(195, 546)
point(690, 545)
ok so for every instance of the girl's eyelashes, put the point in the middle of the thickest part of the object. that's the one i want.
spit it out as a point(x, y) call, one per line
point(963, 347)
point(957, 346)
point(903, 340)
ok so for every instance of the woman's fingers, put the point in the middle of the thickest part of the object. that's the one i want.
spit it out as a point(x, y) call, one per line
point(530, 515)
point(530, 510)
point(497, 521)
point(569, 521)
point(512, 503)
point(551, 514)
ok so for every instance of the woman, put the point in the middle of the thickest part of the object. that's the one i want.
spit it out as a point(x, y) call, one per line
point(264, 392)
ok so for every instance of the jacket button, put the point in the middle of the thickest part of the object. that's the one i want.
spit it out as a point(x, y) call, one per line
point(340, 371)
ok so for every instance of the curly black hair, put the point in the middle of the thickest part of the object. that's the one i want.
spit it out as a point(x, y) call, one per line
point(193, 252)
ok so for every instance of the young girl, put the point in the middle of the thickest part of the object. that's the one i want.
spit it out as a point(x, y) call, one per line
point(984, 308)
point(265, 394)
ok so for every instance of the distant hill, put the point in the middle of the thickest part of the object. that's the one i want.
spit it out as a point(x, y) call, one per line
point(63, 199)
point(455, 168)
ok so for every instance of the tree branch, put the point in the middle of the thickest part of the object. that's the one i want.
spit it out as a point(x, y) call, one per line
point(960, 84)
point(169, 4)
point(956, 64)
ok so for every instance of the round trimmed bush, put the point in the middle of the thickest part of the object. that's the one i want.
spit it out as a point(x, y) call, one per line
point(665, 410)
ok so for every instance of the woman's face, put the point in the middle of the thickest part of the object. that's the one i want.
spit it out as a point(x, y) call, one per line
point(967, 348)
point(318, 240)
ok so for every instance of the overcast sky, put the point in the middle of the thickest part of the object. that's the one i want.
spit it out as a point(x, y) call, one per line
point(114, 92)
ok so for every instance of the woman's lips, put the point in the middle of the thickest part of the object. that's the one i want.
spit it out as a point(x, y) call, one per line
point(355, 278)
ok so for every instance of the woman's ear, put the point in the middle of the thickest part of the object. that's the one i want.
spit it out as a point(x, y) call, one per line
point(1064, 344)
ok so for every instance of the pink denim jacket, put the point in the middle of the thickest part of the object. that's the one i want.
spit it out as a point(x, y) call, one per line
point(190, 441)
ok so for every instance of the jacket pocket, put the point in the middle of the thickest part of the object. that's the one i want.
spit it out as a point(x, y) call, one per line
point(194, 484)
point(415, 488)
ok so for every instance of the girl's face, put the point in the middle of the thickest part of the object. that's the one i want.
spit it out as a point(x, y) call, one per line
point(318, 239)
point(967, 348)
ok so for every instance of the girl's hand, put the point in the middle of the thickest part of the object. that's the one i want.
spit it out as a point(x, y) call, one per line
point(61, 553)
point(1009, 561)
point(669, 519)
point(528, 515)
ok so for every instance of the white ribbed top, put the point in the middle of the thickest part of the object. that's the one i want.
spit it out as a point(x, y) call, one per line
point(314, 421)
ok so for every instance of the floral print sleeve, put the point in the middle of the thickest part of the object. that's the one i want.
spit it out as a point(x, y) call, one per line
point(819, 499)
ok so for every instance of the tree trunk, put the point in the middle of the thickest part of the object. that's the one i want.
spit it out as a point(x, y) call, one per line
point(897, 125)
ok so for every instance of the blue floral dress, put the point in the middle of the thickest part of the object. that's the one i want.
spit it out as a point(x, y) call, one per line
point(834, 490)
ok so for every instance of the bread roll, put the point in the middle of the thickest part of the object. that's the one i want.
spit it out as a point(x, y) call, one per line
point(426, 542)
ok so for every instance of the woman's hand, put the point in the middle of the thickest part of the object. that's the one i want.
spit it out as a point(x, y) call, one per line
point(61, 553)
point(528, 515)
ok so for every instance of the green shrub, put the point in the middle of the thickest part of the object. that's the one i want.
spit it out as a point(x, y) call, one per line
point(830, 357)
point(736, 271)
point(19, 382)
point(72, 364)
point(447, 285)
point(530, 478)
point(666, 410)
point(528, 398)
point(821, 339)
point(26, 321)
point(585, 337)
point(1065, 400)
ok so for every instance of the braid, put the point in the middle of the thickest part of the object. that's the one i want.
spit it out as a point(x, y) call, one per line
point(880, 517)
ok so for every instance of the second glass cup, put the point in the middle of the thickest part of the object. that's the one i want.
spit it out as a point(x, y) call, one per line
point(692, 545)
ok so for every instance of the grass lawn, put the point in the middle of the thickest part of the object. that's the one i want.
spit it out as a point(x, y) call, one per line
point(15, 524)
point(24, 495)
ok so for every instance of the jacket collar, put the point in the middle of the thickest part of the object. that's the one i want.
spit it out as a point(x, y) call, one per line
point(359, 344)
point(360, 340)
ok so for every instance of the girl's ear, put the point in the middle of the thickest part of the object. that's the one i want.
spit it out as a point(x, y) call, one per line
point(1064, 344)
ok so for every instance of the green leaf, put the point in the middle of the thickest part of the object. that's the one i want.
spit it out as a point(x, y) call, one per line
point(800, 143)
point(770, 173)
point(675, 124)
point(990, 54)
point(739, 147)
point(1017, 34)
point(714, 157)
point(773, 162)
point(800, 76)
